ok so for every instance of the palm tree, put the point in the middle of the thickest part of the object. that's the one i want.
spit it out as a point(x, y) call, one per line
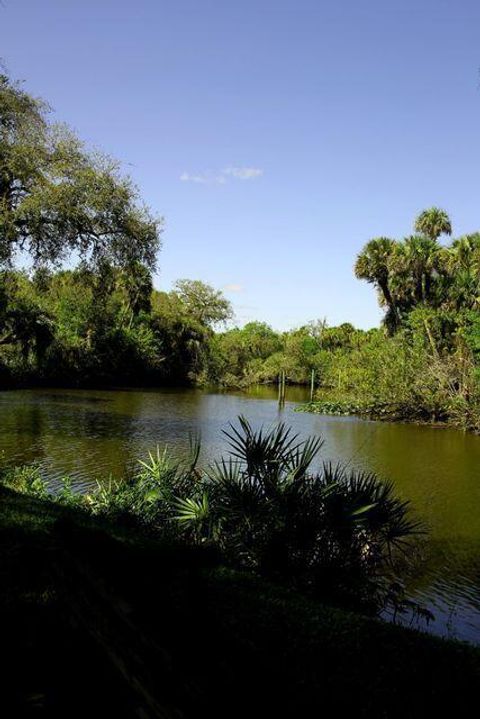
point(421, 257)
point(373, 265)
point(433, 222)
point(464, 253)
point(464, 291)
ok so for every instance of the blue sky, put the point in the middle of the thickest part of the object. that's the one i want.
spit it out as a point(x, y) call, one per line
point(274, 137)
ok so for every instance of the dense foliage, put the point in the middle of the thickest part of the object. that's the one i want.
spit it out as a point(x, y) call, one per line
point(99, 320)
point(422, 364)
point(426, 366)
point(57, 199)
point(82, 326)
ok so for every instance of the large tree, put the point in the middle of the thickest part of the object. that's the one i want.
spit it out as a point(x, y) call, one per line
point(57, 200)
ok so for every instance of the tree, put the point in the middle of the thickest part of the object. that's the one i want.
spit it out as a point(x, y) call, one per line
point(23, 322)
point(184, 341)
point(373, 265)
point(417, 270)
point(464, 253)
point(416, 262)
point(433, 222)
point(136, 283)
point(238, 356)
point(59, 200)
point(259, 339)
point(203, 303)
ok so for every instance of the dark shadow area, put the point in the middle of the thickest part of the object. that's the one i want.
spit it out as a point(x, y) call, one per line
point(96, 622)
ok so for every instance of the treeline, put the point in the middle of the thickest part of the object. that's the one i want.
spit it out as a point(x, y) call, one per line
point(110, 326)
point(77, 327)
point(257, 354)
point(101, 321)
point(424, 363)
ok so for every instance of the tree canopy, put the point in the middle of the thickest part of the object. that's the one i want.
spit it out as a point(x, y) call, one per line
point(58, 200)
point(419, 271)
point(433, 222)
point(205, 304)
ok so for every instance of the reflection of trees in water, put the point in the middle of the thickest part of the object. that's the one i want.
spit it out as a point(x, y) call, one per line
point(23, 430)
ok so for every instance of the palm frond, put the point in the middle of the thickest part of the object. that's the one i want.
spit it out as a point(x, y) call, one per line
point(194, 446)
point(259, 448)
point(192, 510)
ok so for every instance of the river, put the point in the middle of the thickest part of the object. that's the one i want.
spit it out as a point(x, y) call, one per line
point(90, 435)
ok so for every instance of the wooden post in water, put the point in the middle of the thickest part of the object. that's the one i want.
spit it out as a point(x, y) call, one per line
point(281, 388)
point(312, 385)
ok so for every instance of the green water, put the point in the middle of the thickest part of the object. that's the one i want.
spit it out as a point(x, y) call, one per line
point(91, 434)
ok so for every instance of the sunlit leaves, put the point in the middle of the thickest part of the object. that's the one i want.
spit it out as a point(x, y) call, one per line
point(58, 201)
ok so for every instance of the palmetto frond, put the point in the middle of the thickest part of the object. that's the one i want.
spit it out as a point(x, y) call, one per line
point(260, 449)
point(158, 463)
point(300, 459)
point(237, 494)
point(192, 511)
point(195, 446)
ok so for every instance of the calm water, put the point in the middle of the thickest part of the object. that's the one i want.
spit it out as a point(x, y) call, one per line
point(90, 434)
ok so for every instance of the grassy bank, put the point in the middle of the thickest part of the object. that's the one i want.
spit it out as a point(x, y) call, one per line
point(99, 621)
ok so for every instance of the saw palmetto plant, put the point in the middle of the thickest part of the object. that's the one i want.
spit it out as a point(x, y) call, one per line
point(271, 507)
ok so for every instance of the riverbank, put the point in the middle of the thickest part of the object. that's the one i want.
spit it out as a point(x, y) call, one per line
point(388, 412)
point(97, 621)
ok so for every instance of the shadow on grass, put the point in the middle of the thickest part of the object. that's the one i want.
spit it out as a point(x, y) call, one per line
point(98, 622)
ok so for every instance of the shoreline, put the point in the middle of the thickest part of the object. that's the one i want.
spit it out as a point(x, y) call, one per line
point(325, 408)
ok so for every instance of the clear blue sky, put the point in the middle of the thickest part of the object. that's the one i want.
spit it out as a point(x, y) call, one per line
point(275, 137)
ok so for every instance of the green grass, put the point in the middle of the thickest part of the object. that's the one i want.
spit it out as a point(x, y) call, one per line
point(97, 622)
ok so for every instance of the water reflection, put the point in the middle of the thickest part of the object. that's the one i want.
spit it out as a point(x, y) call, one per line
point(92, 434)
